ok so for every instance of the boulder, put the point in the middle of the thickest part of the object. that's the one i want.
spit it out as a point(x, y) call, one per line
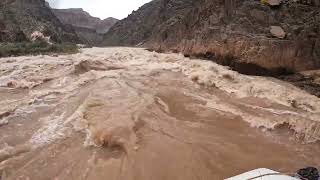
point(278, 32)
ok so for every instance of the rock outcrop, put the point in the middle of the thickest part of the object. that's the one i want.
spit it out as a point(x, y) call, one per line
point(232, 32)
point(89, 29)
point(20, 18)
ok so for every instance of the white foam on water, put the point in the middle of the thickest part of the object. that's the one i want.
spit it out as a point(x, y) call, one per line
point(52, 129)
point(33, 73)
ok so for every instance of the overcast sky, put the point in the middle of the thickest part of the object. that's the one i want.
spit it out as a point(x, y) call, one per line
point(101, 8)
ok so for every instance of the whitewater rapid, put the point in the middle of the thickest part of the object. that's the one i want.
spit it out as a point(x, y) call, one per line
point(127, 113)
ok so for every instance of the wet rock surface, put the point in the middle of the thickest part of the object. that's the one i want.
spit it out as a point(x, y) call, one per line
point(127, 113)
point(308, 81)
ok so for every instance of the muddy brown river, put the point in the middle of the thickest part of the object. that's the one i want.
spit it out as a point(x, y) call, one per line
point(131, 114)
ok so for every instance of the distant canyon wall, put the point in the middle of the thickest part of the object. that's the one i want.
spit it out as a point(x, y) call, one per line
point(89, 29)
point(20, 18)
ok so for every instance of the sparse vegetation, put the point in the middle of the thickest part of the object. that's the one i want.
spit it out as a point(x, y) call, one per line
point(36, 48)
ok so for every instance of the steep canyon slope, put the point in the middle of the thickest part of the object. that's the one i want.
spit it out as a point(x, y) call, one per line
point(279, 38)
point(131, 114)
point(20, 18)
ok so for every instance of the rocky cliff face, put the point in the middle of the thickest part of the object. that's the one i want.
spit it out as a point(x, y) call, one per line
point(90, 29)
point(238, 33)
point(20, 18)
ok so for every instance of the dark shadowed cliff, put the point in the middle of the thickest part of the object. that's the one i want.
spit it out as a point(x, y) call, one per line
point(238, 33)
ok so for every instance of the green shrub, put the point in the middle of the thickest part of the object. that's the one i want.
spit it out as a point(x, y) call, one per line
point(36, 48)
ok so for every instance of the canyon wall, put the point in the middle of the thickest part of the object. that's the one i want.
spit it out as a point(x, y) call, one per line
point(279, 38)
point(89, 29)
point(20, 18)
